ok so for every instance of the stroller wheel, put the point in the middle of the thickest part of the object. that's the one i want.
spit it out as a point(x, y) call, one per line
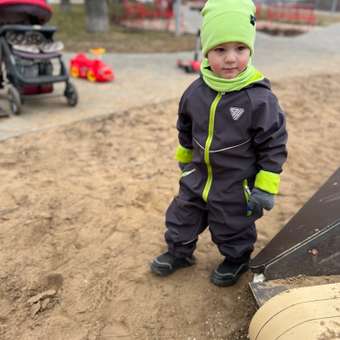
point(71, 94)
point(14, 100)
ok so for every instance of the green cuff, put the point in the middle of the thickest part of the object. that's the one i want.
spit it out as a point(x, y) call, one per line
point(267, 181)
point(183, 155)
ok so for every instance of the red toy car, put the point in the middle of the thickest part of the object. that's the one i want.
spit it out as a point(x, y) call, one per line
point(93, 70)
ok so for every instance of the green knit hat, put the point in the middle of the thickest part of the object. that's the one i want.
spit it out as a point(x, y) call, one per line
point(228, 21)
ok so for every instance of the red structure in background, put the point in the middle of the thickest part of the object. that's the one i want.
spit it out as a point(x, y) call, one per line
point(158, 9)
point(291, 13)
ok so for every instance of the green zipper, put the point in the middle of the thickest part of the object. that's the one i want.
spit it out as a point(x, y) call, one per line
point(247, 194)
point(208, 145)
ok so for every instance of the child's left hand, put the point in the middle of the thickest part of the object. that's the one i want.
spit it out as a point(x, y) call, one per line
point(260, 200)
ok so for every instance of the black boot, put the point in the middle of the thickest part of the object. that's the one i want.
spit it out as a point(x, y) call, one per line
point(228, 273)
point(166, 263)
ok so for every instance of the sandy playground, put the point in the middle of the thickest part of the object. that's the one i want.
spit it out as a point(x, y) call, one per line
point(82, 214)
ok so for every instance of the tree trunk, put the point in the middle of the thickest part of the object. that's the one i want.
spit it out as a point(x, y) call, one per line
point(334, 5)
point(97, 16)
point(65, 5)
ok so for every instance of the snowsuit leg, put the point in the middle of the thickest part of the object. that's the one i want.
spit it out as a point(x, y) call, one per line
point(231, 229)
point(186, 218)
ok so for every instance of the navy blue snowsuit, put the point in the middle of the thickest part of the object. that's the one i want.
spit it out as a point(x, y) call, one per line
point(231, 137)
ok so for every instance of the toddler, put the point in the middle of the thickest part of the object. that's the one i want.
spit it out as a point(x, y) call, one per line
point(232, 145)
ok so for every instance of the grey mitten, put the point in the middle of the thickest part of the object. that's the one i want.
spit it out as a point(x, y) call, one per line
point(259, 200)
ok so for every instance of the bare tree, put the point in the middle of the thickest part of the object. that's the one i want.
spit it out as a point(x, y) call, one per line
point(65, 5)
point(97, 16)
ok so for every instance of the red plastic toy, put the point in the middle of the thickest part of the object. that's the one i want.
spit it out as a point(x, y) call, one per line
point(193, 65)
point(189, 66)
point(94, 70)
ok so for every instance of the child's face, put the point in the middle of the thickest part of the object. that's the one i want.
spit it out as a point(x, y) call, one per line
point(228, 60)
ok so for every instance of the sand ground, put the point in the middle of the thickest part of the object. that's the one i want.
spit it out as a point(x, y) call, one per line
point(82, 214)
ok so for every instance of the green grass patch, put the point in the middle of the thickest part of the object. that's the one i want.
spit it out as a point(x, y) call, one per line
point(71, 31)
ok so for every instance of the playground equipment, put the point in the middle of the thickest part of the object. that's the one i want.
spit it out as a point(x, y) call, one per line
point(158, 9)
point(301, 313)
point(94, 70)
point(192, 65)
point(295, 13)
point(157, 14)
point(309, 246)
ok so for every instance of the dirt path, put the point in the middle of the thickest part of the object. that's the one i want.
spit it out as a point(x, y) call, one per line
point(82, 214)
point(146, 79)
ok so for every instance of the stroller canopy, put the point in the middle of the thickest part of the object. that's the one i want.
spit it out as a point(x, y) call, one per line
point(27, 12)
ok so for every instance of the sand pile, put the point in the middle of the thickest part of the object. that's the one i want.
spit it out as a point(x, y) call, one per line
point(82, 213)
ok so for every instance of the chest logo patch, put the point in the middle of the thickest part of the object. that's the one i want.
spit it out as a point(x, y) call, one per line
point(236, 112)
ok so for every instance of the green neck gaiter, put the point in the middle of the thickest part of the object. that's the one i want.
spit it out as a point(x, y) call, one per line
point(249, 76)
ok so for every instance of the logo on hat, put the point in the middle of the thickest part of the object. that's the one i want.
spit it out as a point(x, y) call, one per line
point(236, 112)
